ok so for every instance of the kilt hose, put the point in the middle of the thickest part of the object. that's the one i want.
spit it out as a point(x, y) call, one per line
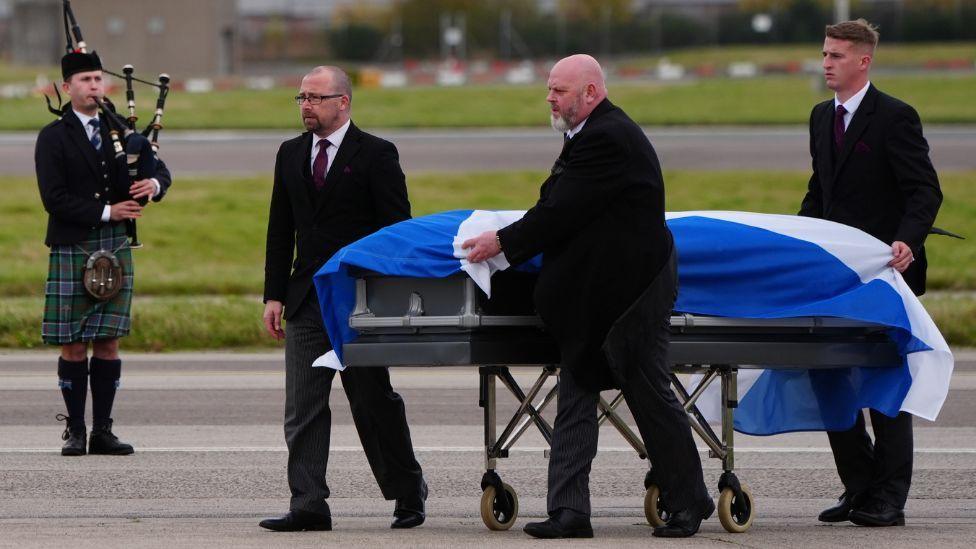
point(70, 314)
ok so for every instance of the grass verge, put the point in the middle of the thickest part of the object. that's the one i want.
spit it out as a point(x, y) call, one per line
point(198, 278)
point(208, 236)
point(889, 56)
point(185, 323)
point(939, 98)
point(159, 323)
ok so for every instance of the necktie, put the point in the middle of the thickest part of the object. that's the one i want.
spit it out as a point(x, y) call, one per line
point(96, 138)
point(320, 164)
point(839, 113)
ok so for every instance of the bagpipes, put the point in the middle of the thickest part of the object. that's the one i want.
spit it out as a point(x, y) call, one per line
point(138, 149)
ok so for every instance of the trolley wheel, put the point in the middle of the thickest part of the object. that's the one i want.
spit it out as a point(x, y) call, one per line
point(652, 506)
point(493, 511)
point(735, 512)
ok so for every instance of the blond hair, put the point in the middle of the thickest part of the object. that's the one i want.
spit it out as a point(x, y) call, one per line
point(859, 32)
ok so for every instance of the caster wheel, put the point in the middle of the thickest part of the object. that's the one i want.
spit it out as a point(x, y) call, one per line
point(496, 512)
point(652, 507)
point(735, 513)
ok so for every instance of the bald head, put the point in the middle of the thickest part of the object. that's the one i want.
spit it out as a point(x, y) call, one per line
point(335, 77)
point(576, 87)
point(330, 88)
point(582, 69)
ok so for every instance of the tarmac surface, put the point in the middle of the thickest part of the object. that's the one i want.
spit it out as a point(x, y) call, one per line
point(210, 463)
point(707, 148)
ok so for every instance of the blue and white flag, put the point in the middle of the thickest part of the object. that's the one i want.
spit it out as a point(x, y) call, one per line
point(730, 264)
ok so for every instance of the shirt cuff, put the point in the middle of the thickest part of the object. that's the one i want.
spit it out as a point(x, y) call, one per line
point(106, 214)
point(156, 183)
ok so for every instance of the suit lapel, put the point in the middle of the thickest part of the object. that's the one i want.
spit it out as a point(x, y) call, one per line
point(567, 146)
point(80, 138)
point(604, 107)
point(859, 123)
point(825, 144)
point(303, 182)
point(347, 150)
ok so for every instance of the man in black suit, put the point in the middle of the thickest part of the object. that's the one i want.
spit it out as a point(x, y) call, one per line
point(605, 292)
point(333, 184)
point(88, 196)
point(871, 170)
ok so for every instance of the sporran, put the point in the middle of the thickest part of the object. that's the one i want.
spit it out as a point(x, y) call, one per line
point(103, 275)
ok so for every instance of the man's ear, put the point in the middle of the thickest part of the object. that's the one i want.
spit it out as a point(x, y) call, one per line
point(591, 91)
point(65, 86)
point(866, 61)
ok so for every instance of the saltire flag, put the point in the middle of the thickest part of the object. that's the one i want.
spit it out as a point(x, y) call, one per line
point(730, 264)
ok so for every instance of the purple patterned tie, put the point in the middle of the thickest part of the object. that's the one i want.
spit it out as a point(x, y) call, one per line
point(839, 113)
point(320, 163)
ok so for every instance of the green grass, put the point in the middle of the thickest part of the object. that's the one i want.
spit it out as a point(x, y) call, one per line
point(202, 268)
point(207, 237)
point(159, 323)
point(888, 56)
point(182, 323)
point(26, 74)
point(955, 315)
point(939, 98)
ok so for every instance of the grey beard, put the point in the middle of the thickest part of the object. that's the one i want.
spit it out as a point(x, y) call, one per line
point(559, 123)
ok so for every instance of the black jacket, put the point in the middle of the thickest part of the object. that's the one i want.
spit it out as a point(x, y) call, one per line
point(881, 181)
point(77, 182)
point(365, 190)
point(599, 224)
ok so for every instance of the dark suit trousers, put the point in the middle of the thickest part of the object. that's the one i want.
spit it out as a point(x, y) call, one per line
point(377, 410)
point(881, 470)
point(663, 427)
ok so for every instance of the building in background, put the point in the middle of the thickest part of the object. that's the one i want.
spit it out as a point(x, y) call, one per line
point(35, 31)
point(182, 37)
point(208, 38)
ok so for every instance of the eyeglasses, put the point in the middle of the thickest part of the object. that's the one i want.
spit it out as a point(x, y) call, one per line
point(315, 99)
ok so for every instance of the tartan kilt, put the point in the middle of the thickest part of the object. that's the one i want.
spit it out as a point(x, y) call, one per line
point(70, 314)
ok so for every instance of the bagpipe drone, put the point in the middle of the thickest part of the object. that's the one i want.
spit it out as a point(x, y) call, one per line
point(138, 148)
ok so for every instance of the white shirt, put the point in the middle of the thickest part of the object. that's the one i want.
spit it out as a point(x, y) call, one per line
point(335, 139)
point(576, 130)
point(90, 131)
point(84, 119)
point(852, 104)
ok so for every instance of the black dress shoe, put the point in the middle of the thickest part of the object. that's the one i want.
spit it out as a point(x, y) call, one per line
point(561, 524)
point(103, 442)
point(685, 523)
point(298, 521)
point(878, 513)
point(840, 512)
point(410, 511)
point(74, 437)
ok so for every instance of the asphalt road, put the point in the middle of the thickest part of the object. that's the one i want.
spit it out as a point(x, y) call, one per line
point(210, 463)
point(252, 152)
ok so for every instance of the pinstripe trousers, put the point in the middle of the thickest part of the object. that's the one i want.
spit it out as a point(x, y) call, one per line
point(663, 427)
point(377, 411)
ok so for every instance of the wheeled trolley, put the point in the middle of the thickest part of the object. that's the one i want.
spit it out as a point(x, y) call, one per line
point(449, 322)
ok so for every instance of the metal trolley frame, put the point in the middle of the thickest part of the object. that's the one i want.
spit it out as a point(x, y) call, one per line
point(715, 348)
